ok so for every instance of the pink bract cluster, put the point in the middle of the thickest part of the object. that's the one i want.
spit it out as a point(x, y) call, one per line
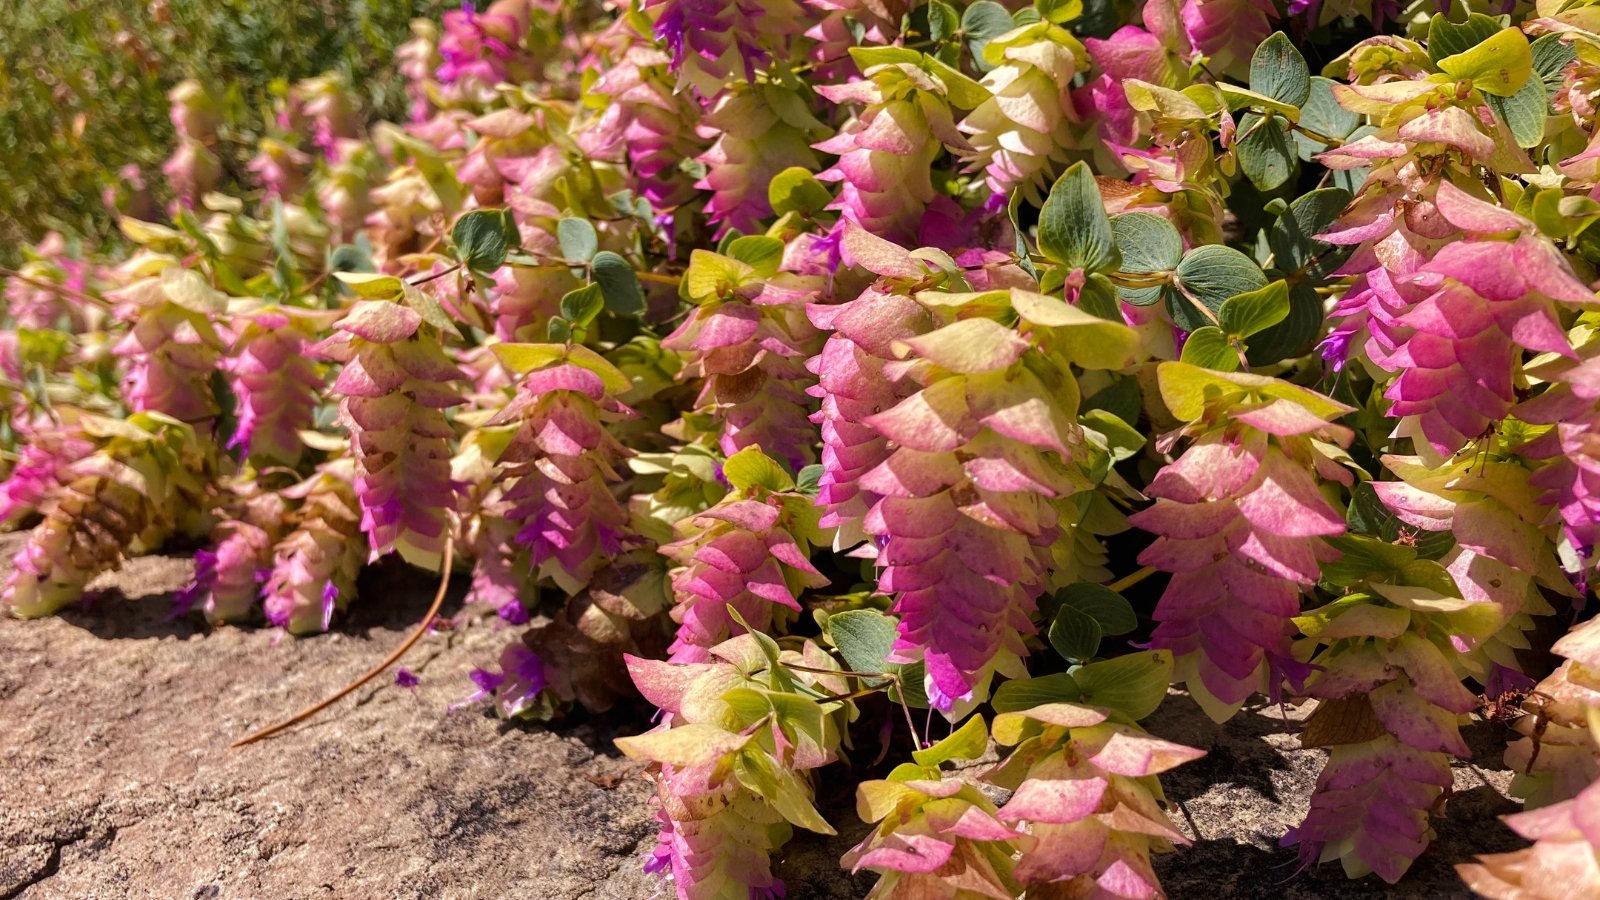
point(836, 374)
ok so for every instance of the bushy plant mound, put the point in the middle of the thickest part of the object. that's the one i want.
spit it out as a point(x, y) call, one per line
point(816, 368)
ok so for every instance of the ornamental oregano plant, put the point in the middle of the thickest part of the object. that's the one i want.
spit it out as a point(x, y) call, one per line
point(817, 369)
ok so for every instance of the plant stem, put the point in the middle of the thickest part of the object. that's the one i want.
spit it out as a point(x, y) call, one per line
point(436, 275)
point(1122, 584)
point(56, 288)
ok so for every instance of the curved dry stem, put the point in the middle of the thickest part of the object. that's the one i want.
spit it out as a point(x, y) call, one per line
point(375, 671)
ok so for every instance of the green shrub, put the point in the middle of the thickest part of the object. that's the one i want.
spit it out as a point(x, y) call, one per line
point(83, 84)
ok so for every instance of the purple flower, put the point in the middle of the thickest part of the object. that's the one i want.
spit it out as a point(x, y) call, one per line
point(405, 678)
point(190, 595)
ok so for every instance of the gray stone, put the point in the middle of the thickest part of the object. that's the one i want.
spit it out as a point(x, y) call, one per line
point(117, 780)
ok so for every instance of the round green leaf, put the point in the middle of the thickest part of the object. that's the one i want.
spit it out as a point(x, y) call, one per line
point(1024, 694)
point(1134, 684)
point(618, 283)
point(864, 638)
point(1292, 237)
point(1279, 71)
point(1075, 634)
point(1447, 38)
point(1322, 114)
point(796, 190)
point(580, 306)
point(1291, 337)
point(578, 239)
point(1073, 228)
point(984, 21)
point(483, 237)
point(1266, 154)
point(1524, 112)
point(1212, 274)
point(1148, 243)
point(1114, 613)
point(1210, 348)
point(1245, 314)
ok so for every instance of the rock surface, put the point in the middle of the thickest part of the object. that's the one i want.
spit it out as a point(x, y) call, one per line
point(117, 780)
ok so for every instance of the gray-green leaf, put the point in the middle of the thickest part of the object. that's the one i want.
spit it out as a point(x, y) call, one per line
point(578, 239)
point(483, 237)
point(1075, 634)
point(1073, 227)
point(1279, 71)
point(616, 279)
point(1212, 274)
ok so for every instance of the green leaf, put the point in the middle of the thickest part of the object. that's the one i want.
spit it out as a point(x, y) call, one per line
point(1322, 114)
point(580, 306)
point(1087, 340)
point(962, 92)
point(713, 275)
point(428, 307)
point(524, 358)
point(1446, 38)
point(559, 330)
point(1237, 99)
point(759, 252)
point(1121, 398)
point(1020, 234)
point(623, 295)
point(1059, 12)
point(1212, 274)
point(1266, 154)
point(1292, 237)
point(1114, 613)
point(1123, 441)
point(968, 742)
point(1073, 227)
point(1134, 684)
point(808, 479)
point(372, 286)
point(1362, 557)
point(578, 239)
point(1524, 112)
point(867, 57)
point(1149, 244)
point(686, 745)
point(751, 468)
point(984, 21)
point(796, 190)
point(864, 638)
point(782, 788)
point(355, 257)
point(483, 237)
point(911, 688)
point(1242, 315)
point(1291, 337)
point(1024, 694)
point(1164, 101)
point(1075, 634)
point(1279, 71)
point(1499, 65)
point(1185, 390)
point(1209, 347)
point(943, 20)
point(1550, 55)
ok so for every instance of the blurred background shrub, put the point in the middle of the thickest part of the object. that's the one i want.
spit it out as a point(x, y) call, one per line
point(83, 89)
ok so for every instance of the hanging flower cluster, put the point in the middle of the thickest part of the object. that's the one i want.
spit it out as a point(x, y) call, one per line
point(1237, 518)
